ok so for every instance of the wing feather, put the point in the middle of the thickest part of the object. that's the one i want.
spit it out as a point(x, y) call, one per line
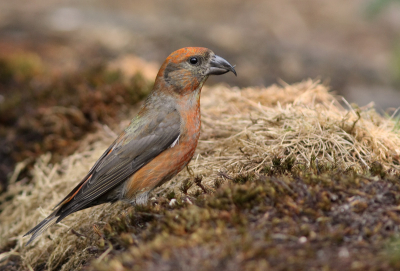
point(130, 152)
point(142, 141)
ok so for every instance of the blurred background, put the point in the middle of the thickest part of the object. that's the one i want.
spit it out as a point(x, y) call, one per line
point(353, 44)
point(52, 54)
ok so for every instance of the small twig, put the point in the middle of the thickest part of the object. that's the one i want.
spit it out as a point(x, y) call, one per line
point(78, 234)
point(224, 175)
point(244, 153)
point(355, 122)
point(97, 231)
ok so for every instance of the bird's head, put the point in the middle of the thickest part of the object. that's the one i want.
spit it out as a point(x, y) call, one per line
point(186, 69)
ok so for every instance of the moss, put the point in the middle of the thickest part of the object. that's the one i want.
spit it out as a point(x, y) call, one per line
point(377, 169)
point(185, 186)
point(171, 195)
point(243, 178)
point(53, 115)
point(279, 165)
point(277, 221)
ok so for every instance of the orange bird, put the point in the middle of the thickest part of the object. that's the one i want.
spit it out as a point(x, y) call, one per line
point(159, 142)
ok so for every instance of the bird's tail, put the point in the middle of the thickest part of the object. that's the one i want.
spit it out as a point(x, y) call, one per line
point(42, 226)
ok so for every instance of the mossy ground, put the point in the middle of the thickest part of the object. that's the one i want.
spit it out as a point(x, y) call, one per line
point(298, 219)
point(284, 178)
point(305, 218)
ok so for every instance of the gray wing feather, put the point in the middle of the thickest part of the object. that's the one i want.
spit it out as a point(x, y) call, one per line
point(129, 153)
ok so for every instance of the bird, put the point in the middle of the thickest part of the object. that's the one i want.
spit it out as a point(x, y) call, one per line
point(157, 144)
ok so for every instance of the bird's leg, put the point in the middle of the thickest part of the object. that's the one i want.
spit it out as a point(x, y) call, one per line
point(197, 181)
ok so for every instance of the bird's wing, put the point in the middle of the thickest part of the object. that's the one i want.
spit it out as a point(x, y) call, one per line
point(134, 148)
point(142, 141)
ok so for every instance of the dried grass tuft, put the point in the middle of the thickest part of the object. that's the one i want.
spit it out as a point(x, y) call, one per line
point(242, 132)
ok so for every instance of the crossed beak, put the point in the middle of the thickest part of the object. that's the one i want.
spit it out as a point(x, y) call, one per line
point(218, 66)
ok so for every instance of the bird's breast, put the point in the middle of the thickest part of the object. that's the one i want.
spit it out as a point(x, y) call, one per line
point(190, 125)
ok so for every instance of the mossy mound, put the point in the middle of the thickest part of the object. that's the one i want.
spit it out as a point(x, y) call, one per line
point(43, 112)
point(296, 220)
point(283, 178)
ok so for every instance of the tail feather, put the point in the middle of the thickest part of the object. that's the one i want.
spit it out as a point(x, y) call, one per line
point(59, 214)
point(41, 227)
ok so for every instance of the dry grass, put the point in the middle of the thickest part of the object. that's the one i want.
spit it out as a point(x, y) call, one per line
point(243, 131)
point(303, 120)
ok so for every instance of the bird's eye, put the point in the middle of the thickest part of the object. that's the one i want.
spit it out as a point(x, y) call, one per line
point(193, 60)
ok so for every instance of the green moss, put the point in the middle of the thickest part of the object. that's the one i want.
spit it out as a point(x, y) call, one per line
point(185, 186)
point(170, 195)
point(377, 169)
point(243, 178)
